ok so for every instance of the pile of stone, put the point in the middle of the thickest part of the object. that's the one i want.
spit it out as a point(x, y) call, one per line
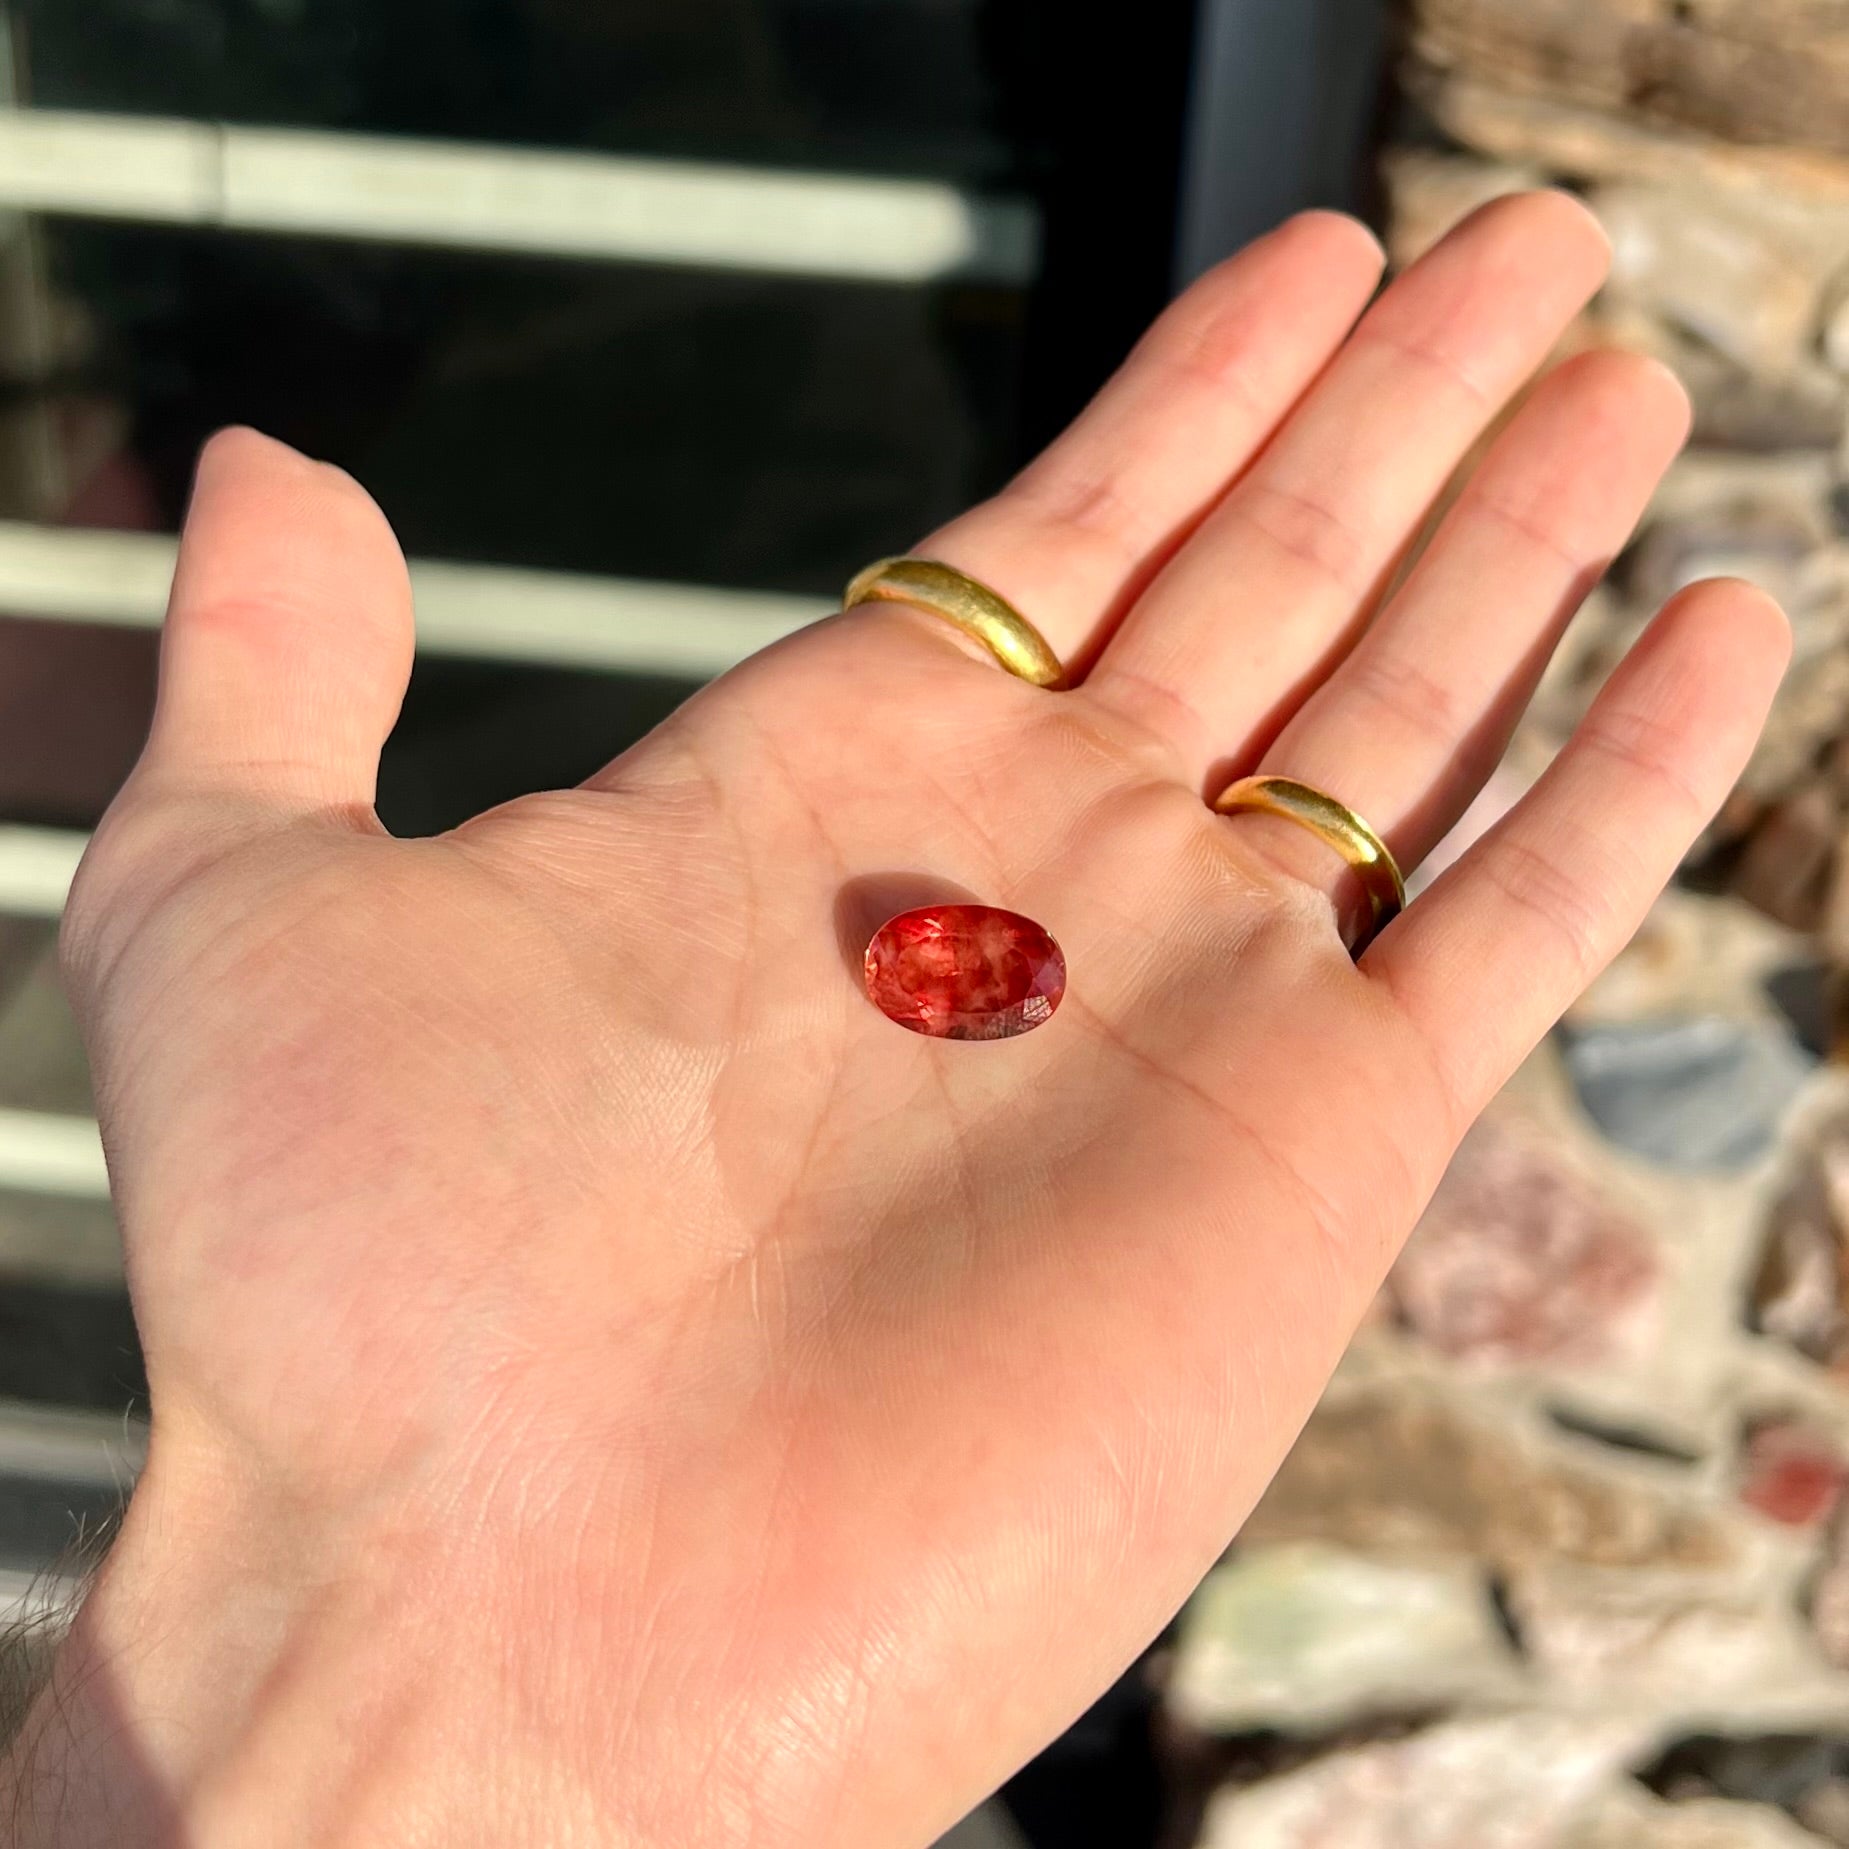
point(1562, 1562)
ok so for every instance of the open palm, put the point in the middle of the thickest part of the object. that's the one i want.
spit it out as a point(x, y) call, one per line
point(675, 1405)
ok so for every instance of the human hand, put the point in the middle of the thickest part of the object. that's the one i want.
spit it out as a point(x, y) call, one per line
point(612, 1385)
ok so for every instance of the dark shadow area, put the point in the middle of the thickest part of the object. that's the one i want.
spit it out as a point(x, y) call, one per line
point(1621, 1437)
point(50, 1519)
point(1098, 1786)
point(783, 81)
point(1791, 1771)
point(62, 1345)
point(1803, 994)
point(475, 734)
point(1196, 1766)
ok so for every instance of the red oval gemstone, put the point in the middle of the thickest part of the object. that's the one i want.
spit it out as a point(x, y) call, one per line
point(965, 972)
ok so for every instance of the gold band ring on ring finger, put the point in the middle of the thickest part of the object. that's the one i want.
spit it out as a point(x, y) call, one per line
point(1338, 825)
point(971, 606)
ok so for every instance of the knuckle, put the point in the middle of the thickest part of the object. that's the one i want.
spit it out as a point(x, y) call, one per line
point(1212, 349)
point(1393, 684)
point(1649, 749)
point(1300, 526)
point(1432, 352)
point(1082, 502)
point(1334, 228)
point(1564, 905)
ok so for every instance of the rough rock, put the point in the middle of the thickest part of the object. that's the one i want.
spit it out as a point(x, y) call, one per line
point(1748, 281)
point(1789, 865)
point(1611, 1378)
point(1834, 338)
point(1521, 1257)
point(1314, 1638)
point(1629, 1818)
point(1825, 1811)
point(1811, 710)
point(1695, 952)
point(1804, 1775)
point(1516, 1781)
point(1698, 1094)
point(1579, 143)
point(1800, 1293)
point(1775, 72)
point(1768, 526)
point(1792, 1473)
point(1401, 1468)
point(1736, 406)
point(1662, 1639)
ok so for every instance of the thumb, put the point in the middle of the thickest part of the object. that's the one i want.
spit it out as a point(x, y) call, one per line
point(288, 640)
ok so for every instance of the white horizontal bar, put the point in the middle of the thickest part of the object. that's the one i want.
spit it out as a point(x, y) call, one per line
point(44, 1154)
point(37, 866)
point(694, 631)
point(70, 1446)
point(64, 574)
point(609, 207)
point(72, 574)
point(141, 169)
point(33, 1598)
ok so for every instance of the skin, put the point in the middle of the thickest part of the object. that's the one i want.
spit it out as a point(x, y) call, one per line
point(611, 1385)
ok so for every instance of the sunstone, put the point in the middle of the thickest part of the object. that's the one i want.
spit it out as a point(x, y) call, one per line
point(965, 972)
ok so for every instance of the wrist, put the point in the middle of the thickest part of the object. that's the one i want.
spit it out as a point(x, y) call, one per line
point(214, 1685)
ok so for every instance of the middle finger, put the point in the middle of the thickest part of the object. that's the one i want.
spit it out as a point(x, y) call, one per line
point(1255, 610)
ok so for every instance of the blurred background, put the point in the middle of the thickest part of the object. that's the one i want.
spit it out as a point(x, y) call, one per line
point(648, 321)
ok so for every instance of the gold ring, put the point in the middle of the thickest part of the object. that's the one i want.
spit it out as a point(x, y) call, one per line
point(974, 608)
point(1335, 823)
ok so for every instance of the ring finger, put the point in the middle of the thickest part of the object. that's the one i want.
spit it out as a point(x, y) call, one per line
point(1410, 725)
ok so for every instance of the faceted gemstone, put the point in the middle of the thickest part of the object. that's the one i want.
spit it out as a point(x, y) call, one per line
point(965, 972)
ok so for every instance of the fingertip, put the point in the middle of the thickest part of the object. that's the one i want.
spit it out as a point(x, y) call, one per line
point(1330, 252)
point(243, 474)
point(1707, 670)
point(1738, 616)
point(1572, 217)
point(1340, 233)
point(1553, 212)
point(238, 448)
point(246, 480)
point(1667, 385)
point(1623, 403)
point(242, 450)
point(1545, 222)
point(1646, 382)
